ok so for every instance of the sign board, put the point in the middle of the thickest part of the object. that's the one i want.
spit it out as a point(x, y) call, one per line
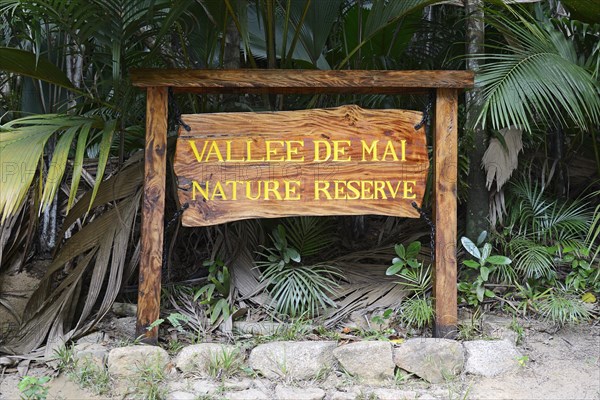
point(338, 161)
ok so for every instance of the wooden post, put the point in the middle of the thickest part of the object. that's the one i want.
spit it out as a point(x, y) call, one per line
point(444, 211)
point(153, 209)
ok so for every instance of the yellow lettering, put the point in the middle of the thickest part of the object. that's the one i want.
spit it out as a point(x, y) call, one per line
point(340, 150)
point(339, 189)
point(195, 150)
point(233, 189)
point(393, 191)
point(271, 187)
point(354, 189)
point(364, 190)
point(228, 156)
point(294, 150)
point(324, 189)
point(379, 190)
point(249, 190)
point(291, 190)
point(403, 144)
point(370, 150)
point(218, 191)
point(409, 190)
point(318, 144)
point(203, 190)
point(214, 149)
point(271, 151)
point(389, 149)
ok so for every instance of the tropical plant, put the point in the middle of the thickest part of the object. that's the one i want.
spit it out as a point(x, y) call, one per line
point(484, 265)
point(296, 289)
point(216, 294)
point(516, 90)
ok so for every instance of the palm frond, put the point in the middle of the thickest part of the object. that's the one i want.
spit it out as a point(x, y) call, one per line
point(22, 144)
point(536, 75)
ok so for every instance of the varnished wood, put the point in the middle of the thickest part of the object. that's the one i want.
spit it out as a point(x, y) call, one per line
point(299, 81)
point(444, 211)
point(349, 125)
point(152, 213)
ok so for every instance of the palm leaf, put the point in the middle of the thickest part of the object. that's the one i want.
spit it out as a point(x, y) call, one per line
point(25, 63)
point(537, 75)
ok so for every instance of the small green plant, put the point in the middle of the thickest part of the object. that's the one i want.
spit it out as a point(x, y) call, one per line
point(65, 357)
point(225, 363)
point(400, 376)
point(516, 327)
point(216, 293)
point(469, 329)
point(148, 384)
point(523, 360)
point(90, 375)
point(34, 388)
point(406, 266)
point(562, 307)
point(474, 290)
point(417, 312)
point(296, 289)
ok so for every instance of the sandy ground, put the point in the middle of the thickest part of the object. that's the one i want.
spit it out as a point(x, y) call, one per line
point(562, 365)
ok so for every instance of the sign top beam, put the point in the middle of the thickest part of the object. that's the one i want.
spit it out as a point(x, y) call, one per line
point(283, 81)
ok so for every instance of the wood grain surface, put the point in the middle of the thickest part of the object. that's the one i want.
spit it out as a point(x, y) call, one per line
point(444, 212)
point(152, 214)
point(299, 81)
point(364, 162)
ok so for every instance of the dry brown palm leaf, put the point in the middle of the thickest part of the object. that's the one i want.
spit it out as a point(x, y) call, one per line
point(499, 160)
point(87, 271)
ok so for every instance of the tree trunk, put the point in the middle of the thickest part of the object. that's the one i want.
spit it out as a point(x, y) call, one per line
point(478, 201)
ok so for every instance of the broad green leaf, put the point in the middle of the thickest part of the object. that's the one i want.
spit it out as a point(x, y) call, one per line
point(480, 291)
point(483, 234)
point(485, 252)
point(293, 254)
point(413, 250)
point(24, 63)
point(489, 293)
point(394, 269)
point(471, 264)
point(499, 260)
point(401, 251)
point(485, 273)
point(470, 247)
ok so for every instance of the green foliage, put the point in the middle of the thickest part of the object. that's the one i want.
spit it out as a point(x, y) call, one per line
point(216, 293)
point(412, 272)
point(225, 363)
point(148, 383)
point(90, 375)
point(34, 388)
point(296, 289)
point(516, 88)
point(417, 312)
point(562, 307)
point(485, 264)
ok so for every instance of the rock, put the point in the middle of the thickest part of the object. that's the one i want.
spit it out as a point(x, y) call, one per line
point(369, 360)
point(427, 396)
point(258, 328)
point(125, 327)
point(96, 337)
point(94, 352)
point(197, 358)
point(202, 387)
point(343, 396)
point(431, 359)
point(300, 360)
point(242, 384)
point(499, 328)
point(127, 361)
point(490, 357)
point(249, 394)
point(394, 394)
point(124, 309)
point(181, 396)
point(295, 393)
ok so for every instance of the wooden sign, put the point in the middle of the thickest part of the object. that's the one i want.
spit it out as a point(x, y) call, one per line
point(339, 161)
